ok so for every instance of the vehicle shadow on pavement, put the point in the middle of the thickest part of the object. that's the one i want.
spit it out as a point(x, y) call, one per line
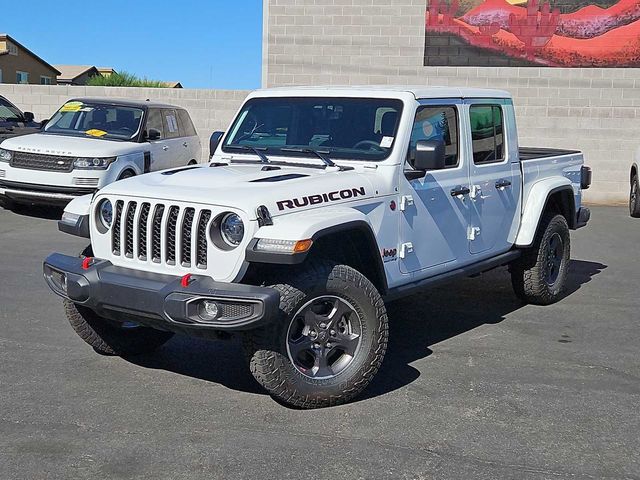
point(37, 211)
point(416, 323)
point(423, 320)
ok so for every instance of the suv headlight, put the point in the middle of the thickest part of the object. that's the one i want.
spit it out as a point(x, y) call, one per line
point(232, 229)
point(105, 214)
point(5, 155)
point(93, 163)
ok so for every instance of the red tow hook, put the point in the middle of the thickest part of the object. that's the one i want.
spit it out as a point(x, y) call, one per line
point(87, 262)
point(186, 280)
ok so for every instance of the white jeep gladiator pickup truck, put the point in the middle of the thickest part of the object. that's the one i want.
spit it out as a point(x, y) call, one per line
point(91, 142)
point(319, 205)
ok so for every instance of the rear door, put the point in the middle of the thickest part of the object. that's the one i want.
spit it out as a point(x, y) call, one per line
point(434, 218)
point(190, 139)
point(494, 172)
point(178, 154)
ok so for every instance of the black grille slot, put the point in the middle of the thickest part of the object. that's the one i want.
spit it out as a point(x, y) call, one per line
point(37, 161)
point(201, 254)
point(142, 231)
point(128, 232)
point(115, 233)
point(187, 223)
point(172, 221)
point(156, 248)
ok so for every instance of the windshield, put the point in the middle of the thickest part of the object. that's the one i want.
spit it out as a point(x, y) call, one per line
point(344, 128)
point(97, 120)
point(9, 113)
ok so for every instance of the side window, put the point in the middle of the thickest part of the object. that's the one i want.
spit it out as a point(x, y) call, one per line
point(487, 136)
point(154, 120)
point(170, 123)
point(437, 123)
point(186, 125)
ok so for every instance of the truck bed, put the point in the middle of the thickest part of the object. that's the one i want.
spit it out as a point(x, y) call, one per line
point(533, 153)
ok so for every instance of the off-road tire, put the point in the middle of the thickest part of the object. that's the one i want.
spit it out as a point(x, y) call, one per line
point(266, 350)
point(634, 197)
point(529, 272)
point(106, 336)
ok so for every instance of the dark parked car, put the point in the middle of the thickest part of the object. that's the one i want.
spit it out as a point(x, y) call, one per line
point(13, 122)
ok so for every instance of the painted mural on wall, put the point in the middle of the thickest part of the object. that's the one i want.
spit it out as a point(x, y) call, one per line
point(562, 33)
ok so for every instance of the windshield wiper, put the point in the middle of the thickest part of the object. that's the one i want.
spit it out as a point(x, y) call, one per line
point(322, 155)
point(263, 157)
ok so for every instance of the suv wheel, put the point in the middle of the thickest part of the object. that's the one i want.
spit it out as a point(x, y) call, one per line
point(634, 198)
point(329, 341)
point(108, 337)
point(540, 274)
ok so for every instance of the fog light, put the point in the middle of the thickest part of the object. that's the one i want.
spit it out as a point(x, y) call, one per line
point(59, 279)
point(208, 310)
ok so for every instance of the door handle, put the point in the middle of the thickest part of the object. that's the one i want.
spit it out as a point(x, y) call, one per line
point(185, 144)
point(458, 191)
point(502, 184)
point(165, 148)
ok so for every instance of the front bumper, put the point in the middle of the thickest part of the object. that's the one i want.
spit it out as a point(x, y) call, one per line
point(44, 194)
point(159, 301)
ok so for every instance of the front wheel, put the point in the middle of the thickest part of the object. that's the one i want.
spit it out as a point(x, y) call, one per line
point(109, 337)
point(540, 274)
point(329, 341)
point(634, 198)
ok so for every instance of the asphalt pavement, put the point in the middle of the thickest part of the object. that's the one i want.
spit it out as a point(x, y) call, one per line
point(475, 385)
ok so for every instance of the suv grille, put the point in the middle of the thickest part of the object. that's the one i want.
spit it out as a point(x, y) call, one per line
point(37, 161)
point(160, 233)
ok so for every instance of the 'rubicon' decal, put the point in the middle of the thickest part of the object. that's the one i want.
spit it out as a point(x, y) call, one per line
point(321, 198)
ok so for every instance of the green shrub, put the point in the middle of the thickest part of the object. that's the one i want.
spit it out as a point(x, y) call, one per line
point(124, 79)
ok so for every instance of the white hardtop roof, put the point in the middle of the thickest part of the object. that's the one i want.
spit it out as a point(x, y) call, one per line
point(380, 90)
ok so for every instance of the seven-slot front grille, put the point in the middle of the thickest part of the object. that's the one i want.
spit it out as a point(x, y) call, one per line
point(38, 161)
point(160, 233)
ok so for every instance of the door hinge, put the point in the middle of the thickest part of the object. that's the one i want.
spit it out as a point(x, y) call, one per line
point(473, 232)
point(405, 249)
point(405, 201)
point(476, 192)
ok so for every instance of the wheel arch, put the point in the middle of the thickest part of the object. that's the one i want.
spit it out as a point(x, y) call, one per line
point(634, 172)
point(544, 197)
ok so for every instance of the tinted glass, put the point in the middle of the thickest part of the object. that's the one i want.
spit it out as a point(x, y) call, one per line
point(96, 120)
point(154, 120)
point(8, 112)
point(170, 123)
point(185, 123)
point(439, 124)
point(348, 128)
point(487, 133)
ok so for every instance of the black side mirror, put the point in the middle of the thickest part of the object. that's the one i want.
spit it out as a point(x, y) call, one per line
point(214, 141)
point(429, 155)
point(44, 122)
point(153, 134)
point(28, 117)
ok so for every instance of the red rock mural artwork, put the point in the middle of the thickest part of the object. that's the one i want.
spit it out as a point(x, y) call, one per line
point(564, 33)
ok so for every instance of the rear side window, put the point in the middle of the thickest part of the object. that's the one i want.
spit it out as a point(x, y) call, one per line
point(487, 133)
point(436, 123)
point(170, 123)
point(154, 120)
point(186, 125)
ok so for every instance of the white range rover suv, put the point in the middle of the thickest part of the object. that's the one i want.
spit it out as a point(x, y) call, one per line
point(91, 142)
point(319, 205)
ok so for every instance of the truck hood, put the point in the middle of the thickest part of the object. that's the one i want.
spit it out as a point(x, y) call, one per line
point(282, 190)
point(68, 146)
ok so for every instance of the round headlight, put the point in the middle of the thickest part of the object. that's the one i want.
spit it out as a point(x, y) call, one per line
point(105, 213)
point(232, 229)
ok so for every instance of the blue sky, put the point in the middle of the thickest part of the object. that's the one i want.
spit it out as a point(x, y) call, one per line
point(203, 44)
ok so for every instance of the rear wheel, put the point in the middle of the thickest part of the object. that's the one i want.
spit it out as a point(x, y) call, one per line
point(540, 274)
point(329, 341)
point(109, 337)
point(634, 197)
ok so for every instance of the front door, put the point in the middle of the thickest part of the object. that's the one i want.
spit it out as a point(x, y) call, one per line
point(495, 177)
point(434, 206)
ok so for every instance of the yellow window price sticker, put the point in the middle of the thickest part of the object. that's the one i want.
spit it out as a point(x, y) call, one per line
point(71, 107)
point(94, 132)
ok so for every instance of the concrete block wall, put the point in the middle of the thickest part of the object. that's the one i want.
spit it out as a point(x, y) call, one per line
point(210, 110)
point(363, 42)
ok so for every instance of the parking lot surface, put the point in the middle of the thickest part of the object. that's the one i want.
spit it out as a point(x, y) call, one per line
point(475, 385)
